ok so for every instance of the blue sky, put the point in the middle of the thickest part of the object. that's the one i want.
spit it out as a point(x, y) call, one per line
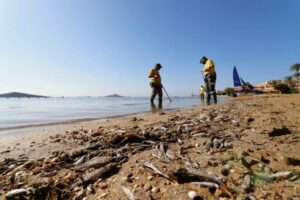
point(100, 47)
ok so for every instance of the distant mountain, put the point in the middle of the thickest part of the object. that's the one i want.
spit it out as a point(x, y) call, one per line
point(113, 95)
point(20, 95)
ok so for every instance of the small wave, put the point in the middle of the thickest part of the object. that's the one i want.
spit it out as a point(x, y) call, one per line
point(14, 107)
point(130, 104)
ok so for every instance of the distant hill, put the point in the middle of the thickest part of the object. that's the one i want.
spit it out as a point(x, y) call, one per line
point(20, 95)
point(113, 95)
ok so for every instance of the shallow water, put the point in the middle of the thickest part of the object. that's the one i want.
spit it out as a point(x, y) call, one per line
point(15, 112)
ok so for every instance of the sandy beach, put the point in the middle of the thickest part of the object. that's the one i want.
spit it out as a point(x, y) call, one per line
point(246, 148)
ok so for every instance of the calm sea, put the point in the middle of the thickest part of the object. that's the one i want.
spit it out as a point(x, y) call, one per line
point(16, 112)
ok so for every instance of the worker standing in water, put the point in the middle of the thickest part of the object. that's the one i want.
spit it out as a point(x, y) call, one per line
point(156, 85)
point(202, 91)
point(210, 78)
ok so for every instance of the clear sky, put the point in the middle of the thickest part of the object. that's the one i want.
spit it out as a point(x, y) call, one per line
point(100, 47)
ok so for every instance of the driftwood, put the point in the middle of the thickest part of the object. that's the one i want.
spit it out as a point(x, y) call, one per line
point(129, 194)
point(151, 166)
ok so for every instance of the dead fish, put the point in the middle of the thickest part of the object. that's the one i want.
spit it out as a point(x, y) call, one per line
point(95, 175)
point(246, 182)
point(203, 175)
point(18, 192)
point(129, 194)
point(206, 184)
point(80, 160)
point(151, 166)
point(281, 175)
point(95, 163)
point(26, 165)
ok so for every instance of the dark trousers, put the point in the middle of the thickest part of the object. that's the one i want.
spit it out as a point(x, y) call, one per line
point(202, 96)
point(210, 84)
point(156, 90)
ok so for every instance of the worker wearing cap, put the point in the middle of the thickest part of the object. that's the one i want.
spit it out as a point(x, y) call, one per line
point(210, 78)
point(202, 91)
point(156, 84)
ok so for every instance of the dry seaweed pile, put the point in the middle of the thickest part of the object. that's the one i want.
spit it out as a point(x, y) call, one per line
point(188, 153)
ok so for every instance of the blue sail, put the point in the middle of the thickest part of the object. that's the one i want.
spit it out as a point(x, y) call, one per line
point(248, 86)
point(237, 81)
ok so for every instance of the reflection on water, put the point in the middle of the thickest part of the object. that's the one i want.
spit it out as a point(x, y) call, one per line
point(16, 112)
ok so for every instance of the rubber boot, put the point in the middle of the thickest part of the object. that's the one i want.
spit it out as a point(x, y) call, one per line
point(160, 102)
point(208, 98)
point(215, 97)
point(152, 99)
point(153, 107)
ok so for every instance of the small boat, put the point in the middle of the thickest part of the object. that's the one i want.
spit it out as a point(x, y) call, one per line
point(240, 86)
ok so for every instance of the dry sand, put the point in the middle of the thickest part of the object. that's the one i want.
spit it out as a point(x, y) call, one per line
point(245, 123)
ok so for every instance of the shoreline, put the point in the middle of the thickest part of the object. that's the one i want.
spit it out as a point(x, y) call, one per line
point(82, 120)
point(76, 118)
point(20, 141)
point(63, 122)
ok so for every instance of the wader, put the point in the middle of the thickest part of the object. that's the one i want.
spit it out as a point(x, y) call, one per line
point(156, 90)
point(202, 96)
point(210, 83)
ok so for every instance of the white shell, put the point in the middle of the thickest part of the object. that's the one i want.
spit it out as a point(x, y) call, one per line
point(192, 194)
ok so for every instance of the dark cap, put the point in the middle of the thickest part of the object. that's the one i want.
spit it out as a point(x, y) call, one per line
point(203, 60)
point(158, 65)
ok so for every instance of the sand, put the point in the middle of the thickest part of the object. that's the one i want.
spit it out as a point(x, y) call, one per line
point(251, 121)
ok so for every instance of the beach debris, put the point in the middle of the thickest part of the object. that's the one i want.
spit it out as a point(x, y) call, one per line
point(94, 163)
point(263, 175)
point(155, 170)
point(18, 193)
point(80, 160)
point(128, 193)
point(95, 175)
point(279, 132)
point(225, 171)
point(206, 184)
point(155, 190)
point(246, 185)
point(194, 196)
point(293, 161)
point(185, 150)
point(103, 185)
point(162, 153)
point(201, 175)
point(217, 144)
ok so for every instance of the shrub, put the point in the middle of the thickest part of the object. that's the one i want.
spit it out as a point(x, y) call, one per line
point(229, 91)
point(283, 88)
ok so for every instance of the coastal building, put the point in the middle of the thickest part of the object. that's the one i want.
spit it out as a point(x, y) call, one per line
point(295, 85)
point(269, 86)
